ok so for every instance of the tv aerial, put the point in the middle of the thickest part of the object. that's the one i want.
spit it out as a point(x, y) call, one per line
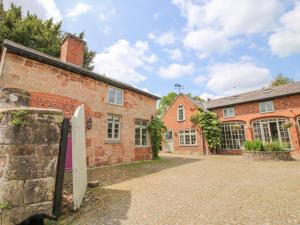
point(179, 87)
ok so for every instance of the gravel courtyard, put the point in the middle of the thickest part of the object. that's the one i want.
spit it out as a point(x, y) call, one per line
point(193, 190)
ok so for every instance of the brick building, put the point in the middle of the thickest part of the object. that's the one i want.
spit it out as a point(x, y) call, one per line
point(181, 136)
point(268, 114)
point(119, 112)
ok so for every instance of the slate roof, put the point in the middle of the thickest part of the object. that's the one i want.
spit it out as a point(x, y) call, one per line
point(197, 103)
point(259, 95)
point(49, 60)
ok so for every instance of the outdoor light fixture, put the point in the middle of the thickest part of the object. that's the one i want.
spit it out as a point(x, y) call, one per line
point(89, 123)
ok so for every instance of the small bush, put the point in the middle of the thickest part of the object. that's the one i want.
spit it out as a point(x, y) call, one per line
point(255, 145)
point(273, 146)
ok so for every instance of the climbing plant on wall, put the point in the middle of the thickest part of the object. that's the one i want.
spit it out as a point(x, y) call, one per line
point(209, 123)
point(157, 130)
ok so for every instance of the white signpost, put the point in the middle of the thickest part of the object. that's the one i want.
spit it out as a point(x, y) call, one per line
point(79, 157)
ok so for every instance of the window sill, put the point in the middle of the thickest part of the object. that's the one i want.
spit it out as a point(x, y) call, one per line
point(180, 120)
point(188, 145)
point(142, 146)
point(121, 105)
point(267, 112)
point(112, 142)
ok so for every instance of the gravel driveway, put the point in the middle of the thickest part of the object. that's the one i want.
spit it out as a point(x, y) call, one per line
point(193, 190)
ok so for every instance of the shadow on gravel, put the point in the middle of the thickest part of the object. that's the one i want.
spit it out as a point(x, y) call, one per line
point(106, 206)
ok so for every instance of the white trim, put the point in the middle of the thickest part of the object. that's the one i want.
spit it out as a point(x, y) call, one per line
point(189, 134)
point(229, 115)
point(260, 104)
point(141, 127)
point(114, 103)
point(183, 113)
point(113, 139)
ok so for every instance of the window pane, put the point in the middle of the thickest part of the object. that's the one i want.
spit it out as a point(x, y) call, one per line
point(111, 95)
point(119, 97)
point(187, 139)
point(233, 135)
point(137, 136)
point(144, 136)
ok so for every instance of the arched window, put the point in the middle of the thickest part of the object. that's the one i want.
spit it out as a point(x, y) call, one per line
point(180, 113)
point(233, 135)
point(272, 129)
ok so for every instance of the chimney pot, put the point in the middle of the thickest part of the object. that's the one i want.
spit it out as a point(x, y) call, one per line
point(72, 50)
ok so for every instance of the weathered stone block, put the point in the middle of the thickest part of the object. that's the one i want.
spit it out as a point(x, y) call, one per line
point(20, 150)
point(18, 214)
point(39, 190)
point(11, 192)
point(14, 97)
point(28, 167)
point(47, 150)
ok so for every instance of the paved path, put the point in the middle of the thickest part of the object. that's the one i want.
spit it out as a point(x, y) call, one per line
point(197, 190)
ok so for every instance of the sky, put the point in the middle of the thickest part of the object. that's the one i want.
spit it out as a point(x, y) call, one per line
point(214, 48)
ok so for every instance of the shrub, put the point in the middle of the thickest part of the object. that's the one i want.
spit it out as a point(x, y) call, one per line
point(255, 145)
point(273, 146)
point(157, 129)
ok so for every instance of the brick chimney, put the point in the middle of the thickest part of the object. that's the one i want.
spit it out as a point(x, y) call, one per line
point(72, 50)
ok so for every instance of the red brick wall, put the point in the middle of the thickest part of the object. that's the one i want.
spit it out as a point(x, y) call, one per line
point(170, 121)
point(287, 107)
point(72, 51)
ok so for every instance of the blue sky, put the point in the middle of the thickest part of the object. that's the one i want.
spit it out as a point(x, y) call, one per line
point(212, 49)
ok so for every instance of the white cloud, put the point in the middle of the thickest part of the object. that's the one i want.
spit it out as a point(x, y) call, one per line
point(242, 17)
point(167, 38)
point(207, 96)
point(285, 41)
point(200, 80)
point(208, 41)
point(45, 9)
point(175, 54)
point(215, 27)
point(122, 60)
point(79, 9)
point(175, 70)
point(232, 78)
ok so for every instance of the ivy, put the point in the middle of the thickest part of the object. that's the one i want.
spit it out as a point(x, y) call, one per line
point(209, 123)
point(157, 130)
point(19, 118)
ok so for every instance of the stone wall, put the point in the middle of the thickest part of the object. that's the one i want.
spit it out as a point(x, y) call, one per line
point(29, 147)
point(256, 155)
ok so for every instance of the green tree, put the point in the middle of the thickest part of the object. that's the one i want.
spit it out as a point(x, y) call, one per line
point(197, 98)
point(157, 129)
point(210, 125)
point(166, 101)
point(33, 32)
point(281, 79)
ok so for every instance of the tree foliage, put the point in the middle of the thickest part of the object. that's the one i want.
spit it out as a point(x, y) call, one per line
point(33, 32)
point(209, 123)
point(281, 79)
point(157, 129)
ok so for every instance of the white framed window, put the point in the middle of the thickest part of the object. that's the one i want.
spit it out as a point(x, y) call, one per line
point(228, 112)
point(272, 129)
point(233, 135)
point(115, 96)
point(188, 137)
point(113, 127)
point(169, 135)
point(180, 113)
point(266, 106)
point(141, 133)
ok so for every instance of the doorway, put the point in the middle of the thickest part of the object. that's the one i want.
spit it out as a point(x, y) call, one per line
point(169, 145)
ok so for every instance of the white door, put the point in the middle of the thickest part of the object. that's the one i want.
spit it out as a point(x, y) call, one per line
point(169, 146)
point(78, 157)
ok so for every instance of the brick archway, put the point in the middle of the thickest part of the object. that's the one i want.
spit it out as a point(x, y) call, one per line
point(66, 104)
